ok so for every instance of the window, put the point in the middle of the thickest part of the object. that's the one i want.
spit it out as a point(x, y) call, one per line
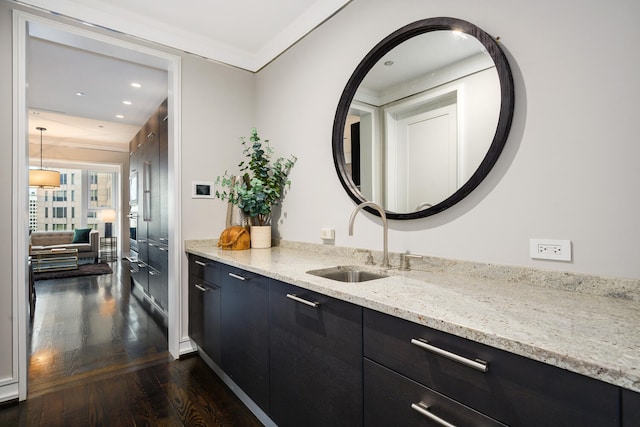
point(59, 212)
point(82, 195)
point(60, 196)
point(101, 190)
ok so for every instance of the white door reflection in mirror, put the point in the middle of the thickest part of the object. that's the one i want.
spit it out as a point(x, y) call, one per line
point(418, 130)
point(427, 159)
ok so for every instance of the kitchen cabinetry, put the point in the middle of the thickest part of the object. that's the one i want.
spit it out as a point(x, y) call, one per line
point(205, 306)
point(149, 162)
point(315, 358)
point(245, 332)
point(509, 388)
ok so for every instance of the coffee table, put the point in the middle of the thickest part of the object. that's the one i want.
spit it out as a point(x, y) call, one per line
point(54, 259)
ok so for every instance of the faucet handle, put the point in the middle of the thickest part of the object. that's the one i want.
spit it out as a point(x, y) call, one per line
point(404, 261)
point(369, 260)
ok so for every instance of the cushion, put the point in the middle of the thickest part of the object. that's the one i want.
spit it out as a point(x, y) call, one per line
point(81, 235)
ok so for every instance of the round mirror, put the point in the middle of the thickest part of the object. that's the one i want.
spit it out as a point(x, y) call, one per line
point(423, 118)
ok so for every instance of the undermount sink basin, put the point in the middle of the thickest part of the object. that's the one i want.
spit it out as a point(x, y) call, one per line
point(347, 273)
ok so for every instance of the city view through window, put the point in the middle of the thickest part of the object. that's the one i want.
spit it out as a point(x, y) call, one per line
point(81, 201)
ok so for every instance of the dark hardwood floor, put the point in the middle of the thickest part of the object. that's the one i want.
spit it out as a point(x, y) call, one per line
point(98, 358)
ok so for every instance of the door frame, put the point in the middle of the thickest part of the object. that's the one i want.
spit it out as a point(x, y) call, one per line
point(20, 190)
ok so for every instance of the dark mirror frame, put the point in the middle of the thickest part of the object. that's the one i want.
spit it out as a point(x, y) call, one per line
point(504, 119)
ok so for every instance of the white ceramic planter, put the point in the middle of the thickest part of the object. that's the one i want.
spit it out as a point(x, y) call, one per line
point(260, 236)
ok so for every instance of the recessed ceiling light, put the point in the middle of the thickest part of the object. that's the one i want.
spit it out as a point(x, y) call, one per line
point(80, 93)
point(126, 102)
point(119, 116)
point(136, 85)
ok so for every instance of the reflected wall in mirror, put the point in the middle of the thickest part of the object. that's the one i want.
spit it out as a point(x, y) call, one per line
point(423, 118)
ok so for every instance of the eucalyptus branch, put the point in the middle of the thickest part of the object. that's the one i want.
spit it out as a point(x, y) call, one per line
point(263, 184)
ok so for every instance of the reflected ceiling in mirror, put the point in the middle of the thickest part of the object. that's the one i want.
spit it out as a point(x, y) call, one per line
point(423, 118)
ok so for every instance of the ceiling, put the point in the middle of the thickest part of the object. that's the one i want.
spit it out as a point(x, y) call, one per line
point(247, 34)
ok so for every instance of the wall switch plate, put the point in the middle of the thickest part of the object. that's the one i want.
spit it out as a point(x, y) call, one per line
point(559, 250)
point(327, 234)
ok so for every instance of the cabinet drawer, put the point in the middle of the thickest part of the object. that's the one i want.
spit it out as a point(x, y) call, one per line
point(204, 269)
point(514, 390)
point(159, 256)
point(391, 399)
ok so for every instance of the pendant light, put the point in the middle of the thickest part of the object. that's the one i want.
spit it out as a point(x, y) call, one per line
point(40, 177)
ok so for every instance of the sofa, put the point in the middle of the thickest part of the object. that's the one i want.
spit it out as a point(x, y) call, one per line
point(42, 240)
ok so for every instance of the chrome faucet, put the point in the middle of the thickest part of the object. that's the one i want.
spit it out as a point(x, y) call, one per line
point(385, 229)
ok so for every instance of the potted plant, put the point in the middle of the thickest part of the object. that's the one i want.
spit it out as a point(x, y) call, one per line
point(261, 187)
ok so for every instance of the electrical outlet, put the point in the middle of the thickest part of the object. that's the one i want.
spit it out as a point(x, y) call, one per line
point(559, 250)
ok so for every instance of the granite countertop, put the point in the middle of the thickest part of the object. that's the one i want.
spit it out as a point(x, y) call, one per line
point(593, 334)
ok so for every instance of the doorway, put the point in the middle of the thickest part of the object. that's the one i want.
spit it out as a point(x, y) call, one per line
point(171, 64)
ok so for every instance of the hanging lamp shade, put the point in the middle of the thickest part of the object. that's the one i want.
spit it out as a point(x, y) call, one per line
point(40, 177)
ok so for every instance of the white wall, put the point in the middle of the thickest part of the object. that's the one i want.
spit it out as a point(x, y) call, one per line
point(569, 169)
point(216, 110)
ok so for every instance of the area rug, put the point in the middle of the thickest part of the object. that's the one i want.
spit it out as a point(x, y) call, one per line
point(83, 270)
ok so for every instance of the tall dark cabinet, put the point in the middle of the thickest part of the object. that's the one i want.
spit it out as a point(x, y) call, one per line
point(148, 160)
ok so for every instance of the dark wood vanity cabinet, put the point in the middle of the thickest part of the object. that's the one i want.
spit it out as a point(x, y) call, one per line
point(315, 358)
point(205, 306)
point(514, 390)
point(308, 359)
point(245, 332)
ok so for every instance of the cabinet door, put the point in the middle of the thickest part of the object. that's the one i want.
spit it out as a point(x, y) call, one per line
point(151, 178)
point(514, 390)
point(159, 273)
point(197, 291)
point(245, 332)
point(204, 316)
point(393, 400)
point(140, 274)
point(164, 173)
point(316, 359)
point(630, 408)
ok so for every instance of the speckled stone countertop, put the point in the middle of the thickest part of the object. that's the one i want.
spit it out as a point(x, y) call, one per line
point(584, 324)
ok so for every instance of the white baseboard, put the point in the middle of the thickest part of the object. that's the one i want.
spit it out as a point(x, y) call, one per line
point(187, 346)
point(9, 392)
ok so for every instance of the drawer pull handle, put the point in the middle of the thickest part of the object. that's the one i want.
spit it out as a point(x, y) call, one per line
point(201, 288)
point(423, 409)
point(479, 365)
point(235, 276)
point(303, 301)
point(201, 263)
